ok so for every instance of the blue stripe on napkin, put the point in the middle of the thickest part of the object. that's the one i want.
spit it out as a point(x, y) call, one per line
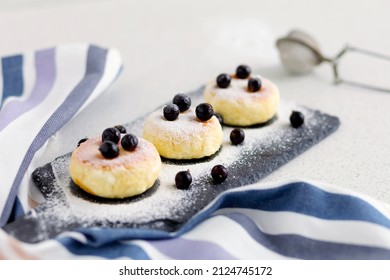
point(12, 68)
point(17, 210)
point(108, 251)
point(312, 201)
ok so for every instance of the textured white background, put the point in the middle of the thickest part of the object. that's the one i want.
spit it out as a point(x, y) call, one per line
point(175, 46)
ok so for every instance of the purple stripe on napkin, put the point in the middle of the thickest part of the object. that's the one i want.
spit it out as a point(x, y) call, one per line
point(185, 249)
point(45, 76)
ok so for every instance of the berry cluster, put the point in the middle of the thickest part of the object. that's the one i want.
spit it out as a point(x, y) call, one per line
point(111, 137)
point(242, 72)
point(110, 140)
point(182, 103)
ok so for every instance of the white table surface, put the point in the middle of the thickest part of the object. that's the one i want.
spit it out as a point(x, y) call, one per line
point(176, 46)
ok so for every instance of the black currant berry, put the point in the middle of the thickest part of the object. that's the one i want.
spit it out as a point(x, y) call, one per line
point(109, 149)
point(121, 128)
point(237, 136)
point(183, 101)
point(204, 111)
point(111, 134)
point(296, 119)
point(223, 80)
point(219, 173)
point(243, 71)
point(171, 112)
point(254, 84)
point(183, 180)
point(129, 142)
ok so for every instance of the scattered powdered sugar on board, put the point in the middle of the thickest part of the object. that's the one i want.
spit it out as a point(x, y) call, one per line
point(167, 202)
point(164, 207)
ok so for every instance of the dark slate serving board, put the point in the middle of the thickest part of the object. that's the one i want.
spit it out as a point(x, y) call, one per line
point(266, 148)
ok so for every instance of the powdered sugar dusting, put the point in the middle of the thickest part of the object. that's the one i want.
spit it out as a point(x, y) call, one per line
point(181, 130)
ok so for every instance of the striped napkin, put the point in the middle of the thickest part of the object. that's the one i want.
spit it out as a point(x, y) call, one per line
point(294, 220)
point(39, 93)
